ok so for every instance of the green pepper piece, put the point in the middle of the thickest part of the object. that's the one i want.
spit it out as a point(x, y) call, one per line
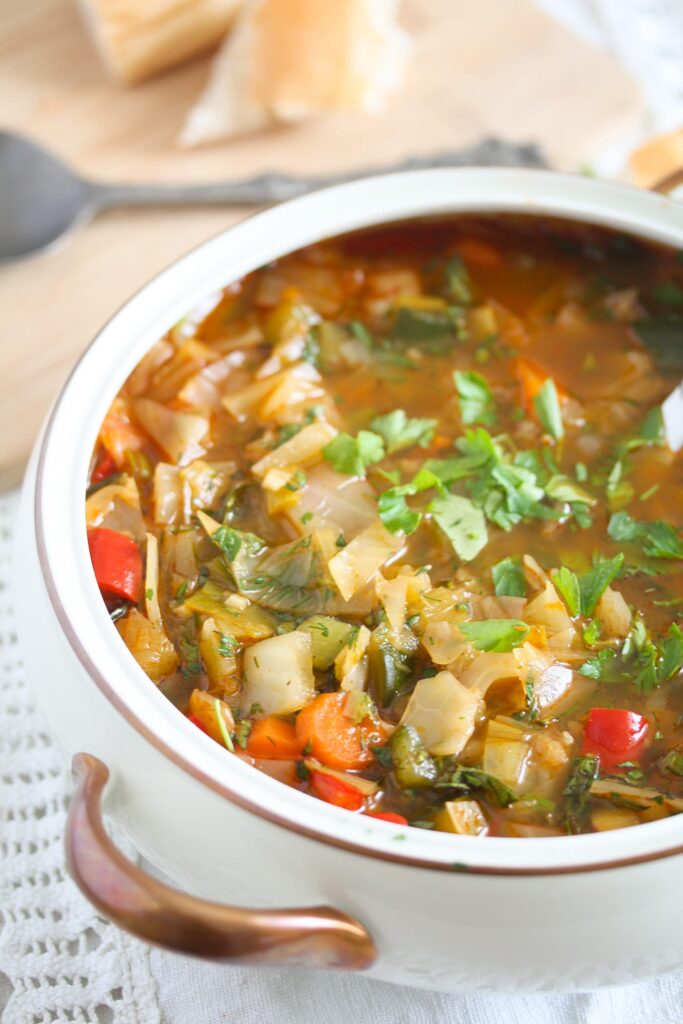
point(387, 669)
point(416, 325)
point(413, 767)
point(328, 637)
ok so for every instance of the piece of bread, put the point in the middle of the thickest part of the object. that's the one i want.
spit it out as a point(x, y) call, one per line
point(139, 38)
point(657, 159)
point(287, 60)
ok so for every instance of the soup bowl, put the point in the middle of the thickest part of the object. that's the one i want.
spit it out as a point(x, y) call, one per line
point(266, 874)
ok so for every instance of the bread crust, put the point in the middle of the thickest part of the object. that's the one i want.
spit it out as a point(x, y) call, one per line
point(657, 159)
point(291, 59)
point(140, 38)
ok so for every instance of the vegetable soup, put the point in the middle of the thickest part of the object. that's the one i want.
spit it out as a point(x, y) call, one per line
point(394, 519)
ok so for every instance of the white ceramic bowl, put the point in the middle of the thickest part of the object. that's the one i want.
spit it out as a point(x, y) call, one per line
point(442, 911)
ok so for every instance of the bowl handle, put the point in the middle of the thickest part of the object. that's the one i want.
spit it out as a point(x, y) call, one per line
point(669, 183)
point(155, 913)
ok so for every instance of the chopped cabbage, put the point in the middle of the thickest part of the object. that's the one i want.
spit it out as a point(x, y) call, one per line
point(356, 564)
point(149, 645)
point(443, 712)
point(178, 434)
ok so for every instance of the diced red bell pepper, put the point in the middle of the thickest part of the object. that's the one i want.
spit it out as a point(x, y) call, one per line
point(615, 735)
point(336, 791)
point(104, 467)
point(198, 722)
point(395, 819)
point(117, 562)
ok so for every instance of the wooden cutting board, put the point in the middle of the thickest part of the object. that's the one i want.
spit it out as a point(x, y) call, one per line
point(499, 67)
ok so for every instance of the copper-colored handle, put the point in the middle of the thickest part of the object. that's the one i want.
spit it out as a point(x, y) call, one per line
point(309, 936)
point(669, 182)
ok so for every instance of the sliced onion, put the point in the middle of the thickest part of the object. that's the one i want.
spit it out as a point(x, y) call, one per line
point(178, 434)
point(299, 452)
point(140, 378)
point(614, 613)
point(152, 582)
point(488, 668)
point(549, 610)
point(502, 607)
point(356, 564)
point(167, 494)
point(393, 595)
point(443, 712)
point(346, 504)
point(506, 752)
point(185, 559)
point(117, 507)
point(443, 642)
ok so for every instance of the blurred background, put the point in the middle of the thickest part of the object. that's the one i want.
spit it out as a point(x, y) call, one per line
point(131, 90)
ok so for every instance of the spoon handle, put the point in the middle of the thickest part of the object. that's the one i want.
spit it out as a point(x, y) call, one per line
point(275, 187)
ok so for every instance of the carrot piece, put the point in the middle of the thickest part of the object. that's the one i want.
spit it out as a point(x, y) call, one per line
point(479, 255)
point(336, 791)
point(531, 379)
point(332, 737)
point(118, 435)
point(439, 443)
point(395, 819)
point(272, 737)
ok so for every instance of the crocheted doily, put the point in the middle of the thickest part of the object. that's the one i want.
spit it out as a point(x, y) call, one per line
point(59, 961)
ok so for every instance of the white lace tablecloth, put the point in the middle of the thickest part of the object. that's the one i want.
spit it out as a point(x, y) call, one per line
point(60, 962)
point(646, 36)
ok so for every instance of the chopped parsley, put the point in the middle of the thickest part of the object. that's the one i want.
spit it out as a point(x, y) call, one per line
point(591, 633)
point(352, 455)
point(584, 772)
point(582, 593)
point(394, 511)
point(463, 524)
point(476, 400)
point(594, 583)
point(228, 646)
point(189, 654)
point(673, 762)
point(457, 281)
point(467, 779)
point(657, 538)
point(498, 635)
point(242, 730)
point(641, 660)
point(399, 431)
point(508, 577)
point(567, 585)
point(547, 405)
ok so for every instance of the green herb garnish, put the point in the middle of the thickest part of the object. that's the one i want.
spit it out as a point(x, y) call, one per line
point(352, 455)
point(476, 400)
point(498, 635)
point(399, 431)
point(508, 577)
point(547, 405)
point(463, 524)
point(584, 772)
point(657, 538)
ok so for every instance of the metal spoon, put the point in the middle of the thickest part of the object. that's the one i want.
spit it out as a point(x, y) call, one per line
point(41, 199)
